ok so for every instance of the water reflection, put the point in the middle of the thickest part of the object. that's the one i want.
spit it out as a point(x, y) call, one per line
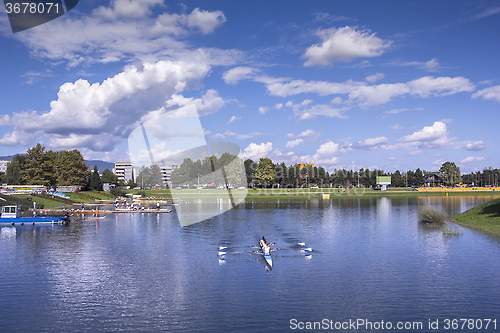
point(143, 272)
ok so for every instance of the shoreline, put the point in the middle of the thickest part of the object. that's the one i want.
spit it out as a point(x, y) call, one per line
point(485, 218)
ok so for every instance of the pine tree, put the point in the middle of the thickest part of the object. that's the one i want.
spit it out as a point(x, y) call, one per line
point(95, 183)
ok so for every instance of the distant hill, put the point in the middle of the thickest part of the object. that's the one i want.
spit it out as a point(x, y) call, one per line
point(7, 158)
point(101, 165)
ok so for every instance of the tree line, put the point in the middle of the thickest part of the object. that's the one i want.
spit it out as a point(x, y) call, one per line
point(49, 168)
point(67, 168)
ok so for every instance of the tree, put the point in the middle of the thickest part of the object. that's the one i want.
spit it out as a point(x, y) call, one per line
point(95, 183)
point(13, 173)
point(109, 177)
point(397, 179)
point(234, 172)
point(265, 171)
point(156, 175)
point(71, 169)
point(419, 177)
point(250, 167)
point(39, 168)
point(450, 173)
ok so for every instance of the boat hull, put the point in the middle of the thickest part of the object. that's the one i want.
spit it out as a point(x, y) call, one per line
point(267, 256)
point(42, 220)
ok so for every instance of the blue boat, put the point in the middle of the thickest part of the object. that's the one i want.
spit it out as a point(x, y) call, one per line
point(11, 215)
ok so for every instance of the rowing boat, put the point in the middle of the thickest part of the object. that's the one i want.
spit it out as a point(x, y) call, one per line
point(266, 253)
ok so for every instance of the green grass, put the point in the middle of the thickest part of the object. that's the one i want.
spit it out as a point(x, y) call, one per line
point(485, 217)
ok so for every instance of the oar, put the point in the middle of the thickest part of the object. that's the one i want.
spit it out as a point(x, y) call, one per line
point(224, 248)
point(299, 244)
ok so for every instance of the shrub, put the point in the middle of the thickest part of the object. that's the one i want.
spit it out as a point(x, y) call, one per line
point(117, 192)
point(431, 215)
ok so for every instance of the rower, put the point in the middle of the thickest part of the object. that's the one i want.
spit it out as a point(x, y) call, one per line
point(265, 245)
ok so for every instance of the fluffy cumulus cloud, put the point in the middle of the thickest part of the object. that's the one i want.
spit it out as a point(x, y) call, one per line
point(326, 154)
point(491, 93)
point(472, 160)
point(344, 44)
point(429, 137)
point(99, 115)
point(126, 30)
point(256, 151)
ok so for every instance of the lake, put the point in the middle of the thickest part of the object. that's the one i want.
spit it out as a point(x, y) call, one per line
point(372, 265)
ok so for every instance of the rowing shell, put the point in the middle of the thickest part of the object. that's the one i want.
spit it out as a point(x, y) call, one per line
point(266, 255)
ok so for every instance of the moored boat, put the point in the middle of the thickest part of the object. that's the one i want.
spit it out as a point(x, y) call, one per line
point(11, 215)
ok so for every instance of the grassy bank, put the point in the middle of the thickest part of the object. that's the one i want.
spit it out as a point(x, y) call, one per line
point(485, 217)
point(306, 194)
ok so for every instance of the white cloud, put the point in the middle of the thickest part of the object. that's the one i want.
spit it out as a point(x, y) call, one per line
point(336, 101)
point(209, 103)
point(325, 155)
point(321, 88)
point(126, 30)
point(293, 143)
point(306, 112)
point(206, 21)
point(264, 109)
point(5, 120)
point(255, 151)
point(235, 75)
point(32, 77)
point(432, 64)
point(370, 95)
point(233, 118)
point(229, 134)
point(432, 133)
point(344, 44)
point(371, 143)
point(18, 137)
point(474, 145)
point(375, 77)
point(396, 127)
point(378, 94)
point(309, 133)
point(127, 8)
point(491, 93)
point(440, 86)
point(83, 111)
point(395, 111)
point(472, 160)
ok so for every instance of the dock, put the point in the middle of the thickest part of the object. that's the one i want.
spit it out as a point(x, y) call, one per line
point(138, 211)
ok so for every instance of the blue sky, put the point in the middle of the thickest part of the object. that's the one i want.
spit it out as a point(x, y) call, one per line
point(391, 85)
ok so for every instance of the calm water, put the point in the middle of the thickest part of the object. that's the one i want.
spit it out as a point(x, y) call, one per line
point(145, 273)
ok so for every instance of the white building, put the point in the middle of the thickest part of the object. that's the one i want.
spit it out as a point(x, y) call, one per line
point(124, 171)
point(166, 170)
point(3, 166)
